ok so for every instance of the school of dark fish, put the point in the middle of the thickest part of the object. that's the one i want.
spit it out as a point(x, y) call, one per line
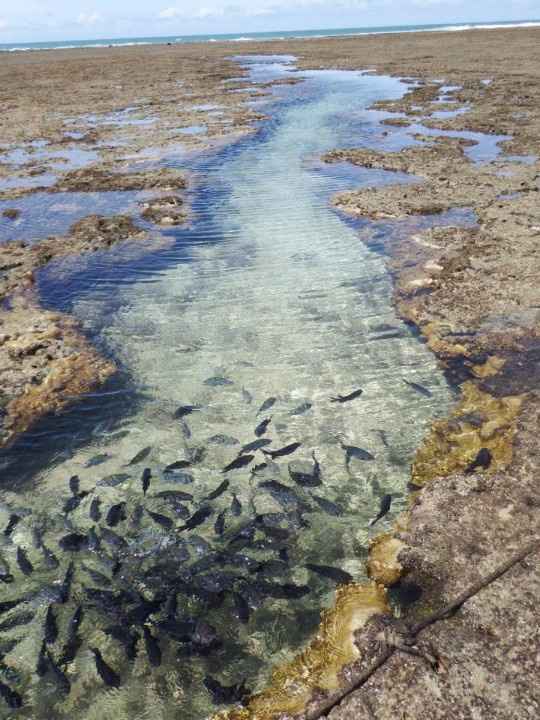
point(143, 602)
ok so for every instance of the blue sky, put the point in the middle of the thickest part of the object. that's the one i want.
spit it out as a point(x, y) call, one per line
point(33, 20)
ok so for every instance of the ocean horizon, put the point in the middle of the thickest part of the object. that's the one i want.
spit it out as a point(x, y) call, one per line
point(262, 36)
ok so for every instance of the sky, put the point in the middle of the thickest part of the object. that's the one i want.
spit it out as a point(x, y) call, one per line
point(41, 20)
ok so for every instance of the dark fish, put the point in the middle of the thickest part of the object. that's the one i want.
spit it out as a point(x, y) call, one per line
point(180, 478)
point(145, 480)
point(238, 463)
point(258, 468)
point(316, 468)
point(282, 592)
point(178, 465)
point(285, 495)
point(171, 606)
point(174, 495)
point(14, 519)
point(328, 506)
point(125, 637)
point(224, 694)
point(113, 538)
point(346, 398)
point(339, 576)
point(94, 542)
point(42, 664)
point(21, 618)
point(184, 427)
point(218, 491)
point(140, 456)
point(482, 460)
point(184, 410)
point(73, 642)
point(179, 630)
point(196, 455)
point(23, 562)
point(248, 397)
point(305, 479)
point(197, 518)
point(241, 607)
point(271, 567)
point(51, 626)
point(116, 514)
point(267, 404)
point(217, 381)
point(419, 388)
point(181, 510)
point(95, 512)
point(284, 554)
point(287, 450)
point(107, 600)
point(226, 440)
point(11, 697)
point(97, 460)
point(261, 427)
point(59, 676)
point(8, 605)
point(162, 520)
point(255, 445)
point(219, 525)
point(141, 612)
point(242, 537)
point(71, 504)
point(65, 587)
point(385, 507)
point(73, 542)
point(137, 516)
point(301, 409)
point(277, 533)
point(74, 484)
point(355, 452)
point(236, 506)
point(152, 648)
point(113, 480)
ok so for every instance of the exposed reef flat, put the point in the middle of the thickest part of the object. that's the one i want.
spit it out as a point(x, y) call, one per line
point(471, 292)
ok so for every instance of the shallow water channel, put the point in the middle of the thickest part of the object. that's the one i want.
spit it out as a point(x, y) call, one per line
point(268, 298)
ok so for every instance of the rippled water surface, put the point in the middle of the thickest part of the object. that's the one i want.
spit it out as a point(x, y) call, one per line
point(267, 300)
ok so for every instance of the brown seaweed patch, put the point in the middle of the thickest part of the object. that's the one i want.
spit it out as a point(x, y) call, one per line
point(479, 421)
point(67, 377)
point(318, 667)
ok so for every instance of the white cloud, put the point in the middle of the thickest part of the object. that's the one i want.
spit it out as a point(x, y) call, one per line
point(170, 13)
point(88, 18)
point(3, 24)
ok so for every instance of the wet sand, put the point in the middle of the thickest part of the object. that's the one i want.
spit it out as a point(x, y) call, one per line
point(473, 294)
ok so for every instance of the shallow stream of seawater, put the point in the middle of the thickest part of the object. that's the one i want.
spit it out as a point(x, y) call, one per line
point(268, 298)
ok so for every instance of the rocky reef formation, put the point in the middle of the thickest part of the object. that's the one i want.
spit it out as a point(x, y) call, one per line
point(45, 360)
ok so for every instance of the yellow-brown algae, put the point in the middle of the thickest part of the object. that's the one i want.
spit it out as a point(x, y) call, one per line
point(318, 667)
point(479, 421)
point(491, 367)
point(383, 565)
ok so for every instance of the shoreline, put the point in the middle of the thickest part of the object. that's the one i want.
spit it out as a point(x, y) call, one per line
point(442, 286)
point(316, 33)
